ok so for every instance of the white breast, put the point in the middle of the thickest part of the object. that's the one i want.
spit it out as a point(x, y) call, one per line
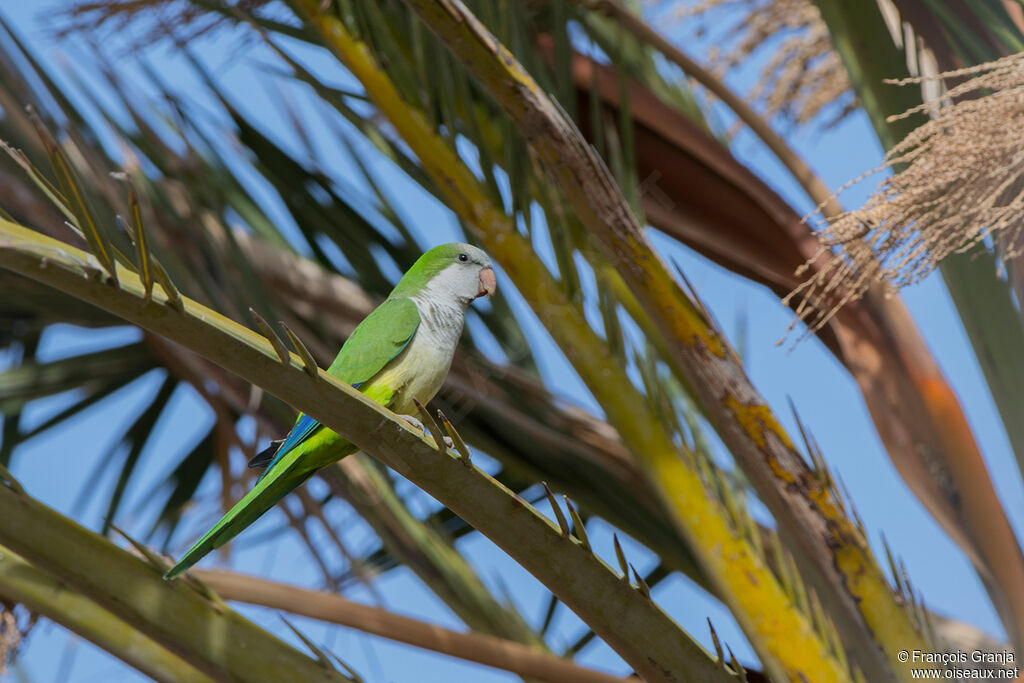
point(423, 365)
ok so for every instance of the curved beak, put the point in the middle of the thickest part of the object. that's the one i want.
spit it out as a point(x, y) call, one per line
point(488, 283)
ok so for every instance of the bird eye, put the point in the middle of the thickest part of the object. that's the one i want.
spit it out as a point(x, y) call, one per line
point(463, 257)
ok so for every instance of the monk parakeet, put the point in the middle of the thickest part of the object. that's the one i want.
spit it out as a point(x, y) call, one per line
point(401, 351)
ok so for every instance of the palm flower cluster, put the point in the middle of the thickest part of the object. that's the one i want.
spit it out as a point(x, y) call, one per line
point(956, 181)
point(802, 75)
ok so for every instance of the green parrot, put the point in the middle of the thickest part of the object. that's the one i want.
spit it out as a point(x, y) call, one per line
point(401, 351)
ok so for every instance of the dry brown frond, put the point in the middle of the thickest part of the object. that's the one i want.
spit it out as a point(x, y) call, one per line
point(802, 75)
point(958, 180)
point(13, 629)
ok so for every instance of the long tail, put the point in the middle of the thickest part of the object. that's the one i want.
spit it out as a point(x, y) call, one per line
point(261, 498)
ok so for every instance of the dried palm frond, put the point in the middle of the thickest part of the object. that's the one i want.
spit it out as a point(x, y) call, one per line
point(15, 623)
point(803, 74)
point(958, 181)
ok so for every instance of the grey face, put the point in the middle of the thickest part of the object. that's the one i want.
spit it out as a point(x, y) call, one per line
point(469, 277)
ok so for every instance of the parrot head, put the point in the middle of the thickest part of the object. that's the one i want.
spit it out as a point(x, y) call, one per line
point(456, 271)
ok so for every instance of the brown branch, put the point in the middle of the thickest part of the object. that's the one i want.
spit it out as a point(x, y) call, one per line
point(638, 28)
point(474, 647)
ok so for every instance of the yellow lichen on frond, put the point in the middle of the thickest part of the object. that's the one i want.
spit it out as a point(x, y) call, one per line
point(956, 181)
point(800, 77)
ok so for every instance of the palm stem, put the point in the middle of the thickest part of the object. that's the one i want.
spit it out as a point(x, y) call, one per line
point(474, 647)
point(51, 598)
point(173, 615)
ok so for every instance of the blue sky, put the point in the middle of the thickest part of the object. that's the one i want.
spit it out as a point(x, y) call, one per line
point(54, 468)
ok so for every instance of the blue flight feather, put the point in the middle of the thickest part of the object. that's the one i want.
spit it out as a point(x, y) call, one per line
point(300, 432)
point(303, 429)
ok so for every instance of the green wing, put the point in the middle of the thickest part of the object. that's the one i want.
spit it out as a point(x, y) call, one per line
point(380, 337)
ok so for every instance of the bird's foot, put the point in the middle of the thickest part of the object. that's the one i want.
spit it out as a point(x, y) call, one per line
point(419, 425)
